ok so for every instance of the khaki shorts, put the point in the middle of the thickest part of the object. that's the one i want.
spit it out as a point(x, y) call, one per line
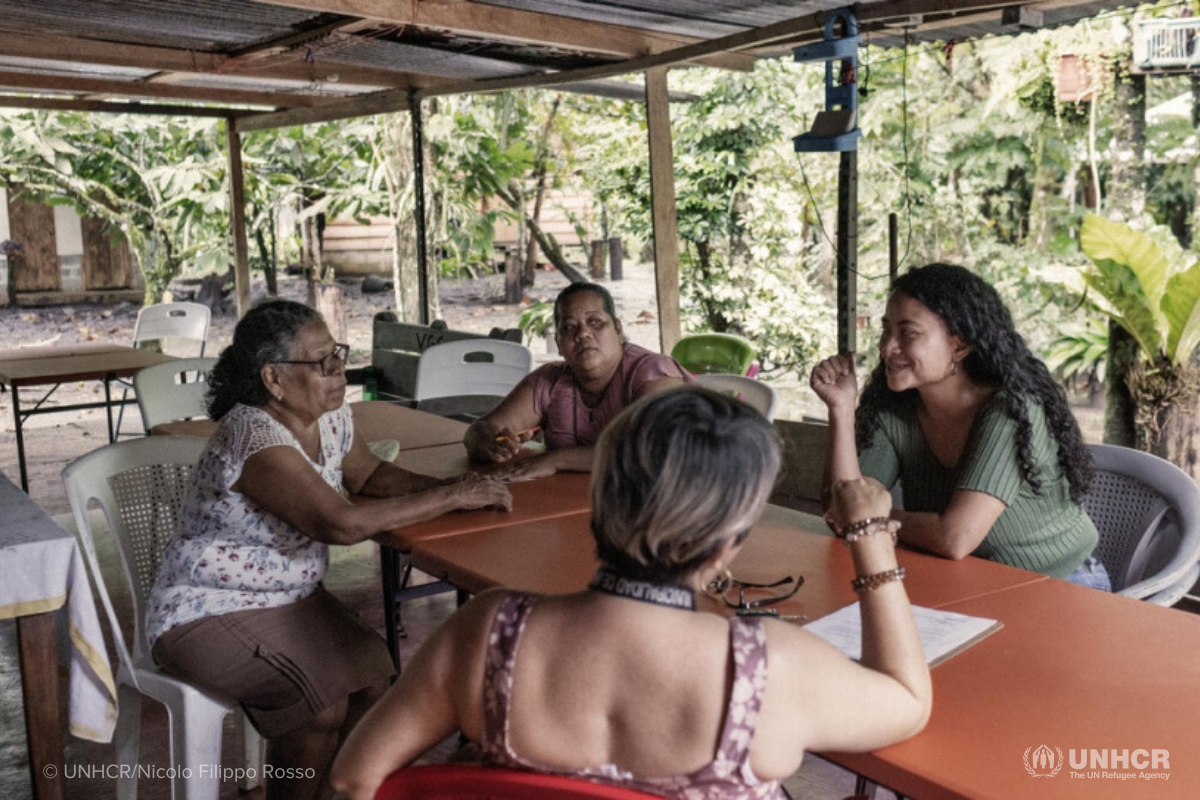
point(284, 665)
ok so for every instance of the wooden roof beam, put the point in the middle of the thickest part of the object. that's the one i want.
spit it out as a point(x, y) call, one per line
point(377, 103)
point(524, 27)
point(811, 24)
point(91, 51)
point(75, 84)
point(105, 107)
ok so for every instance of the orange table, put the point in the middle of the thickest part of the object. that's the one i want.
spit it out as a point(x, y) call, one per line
point(554, 495)
point(564, 493)
point(557, 554)
point(52, 366)
point(1073, 669)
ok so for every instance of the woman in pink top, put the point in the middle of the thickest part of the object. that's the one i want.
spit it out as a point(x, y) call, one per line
point(634, 681)
point(571, 401)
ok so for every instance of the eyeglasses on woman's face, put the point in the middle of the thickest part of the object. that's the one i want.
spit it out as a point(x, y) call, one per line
point(725, 588)
point(328, 365)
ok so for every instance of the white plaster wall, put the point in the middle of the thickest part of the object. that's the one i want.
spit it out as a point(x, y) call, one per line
point(3, 236)
point(68, 232)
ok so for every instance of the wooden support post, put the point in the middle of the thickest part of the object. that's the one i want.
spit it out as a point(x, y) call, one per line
point(512, 276)
point(597, 260)
point(237, 217)
point(38, 648)
point(662, 201)
point(615, 254)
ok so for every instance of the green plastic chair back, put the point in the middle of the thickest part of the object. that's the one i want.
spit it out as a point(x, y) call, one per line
point(707, 353)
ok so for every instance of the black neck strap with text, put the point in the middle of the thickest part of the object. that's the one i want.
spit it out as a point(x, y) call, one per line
point(671, 595)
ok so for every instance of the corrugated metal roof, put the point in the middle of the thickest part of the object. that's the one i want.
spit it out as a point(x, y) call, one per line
point(300, 54)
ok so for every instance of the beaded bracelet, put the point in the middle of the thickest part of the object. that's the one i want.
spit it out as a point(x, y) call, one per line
point(891, 526)
point(861, 525)
point(869, 583)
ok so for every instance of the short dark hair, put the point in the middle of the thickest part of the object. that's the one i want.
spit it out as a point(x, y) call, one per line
point(676, 475)
point(579, 288)
point(266, 334)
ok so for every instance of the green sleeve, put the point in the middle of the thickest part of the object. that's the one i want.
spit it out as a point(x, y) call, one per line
point(990, 461)
point(880, 460)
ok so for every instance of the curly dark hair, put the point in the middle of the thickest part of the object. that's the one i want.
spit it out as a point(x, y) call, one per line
point(267, 333)
point(999, 357)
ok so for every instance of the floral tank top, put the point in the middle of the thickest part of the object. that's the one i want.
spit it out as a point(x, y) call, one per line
point(727, 777)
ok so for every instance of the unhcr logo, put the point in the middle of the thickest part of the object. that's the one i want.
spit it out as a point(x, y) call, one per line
point(1042, 762)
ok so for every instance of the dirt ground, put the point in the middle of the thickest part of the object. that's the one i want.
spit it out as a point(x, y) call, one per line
point(53, 440)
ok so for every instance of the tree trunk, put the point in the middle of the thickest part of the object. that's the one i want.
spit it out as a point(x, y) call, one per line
point(1127, 189)
point(1177, 443)
point(1168, 402)
point(540, 169)
point(547, 243)
point(1122, 356)
point(268, 262)
point(331, 305)
point(1195, 232)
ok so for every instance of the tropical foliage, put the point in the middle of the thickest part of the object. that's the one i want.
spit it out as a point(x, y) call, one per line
point(1151, 289)
point(968, 144)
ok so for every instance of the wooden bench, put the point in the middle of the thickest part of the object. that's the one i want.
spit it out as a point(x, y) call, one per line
point(804, 445)
point(396, 348)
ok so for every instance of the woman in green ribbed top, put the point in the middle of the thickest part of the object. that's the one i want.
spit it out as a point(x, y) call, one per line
point(971, 424)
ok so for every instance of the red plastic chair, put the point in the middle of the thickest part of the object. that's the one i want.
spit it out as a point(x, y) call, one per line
point(469, 782)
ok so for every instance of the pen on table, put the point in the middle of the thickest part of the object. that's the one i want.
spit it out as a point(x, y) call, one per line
point(519, 434)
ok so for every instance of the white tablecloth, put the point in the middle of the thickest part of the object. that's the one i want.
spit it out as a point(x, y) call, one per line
point(44, 571)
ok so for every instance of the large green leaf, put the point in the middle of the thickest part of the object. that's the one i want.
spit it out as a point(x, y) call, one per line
point(1101, 239)
point(1181, 307)
point(1129, 307)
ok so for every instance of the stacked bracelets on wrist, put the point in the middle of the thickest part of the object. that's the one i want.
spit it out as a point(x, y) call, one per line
point(868, 527)
point(869, 583)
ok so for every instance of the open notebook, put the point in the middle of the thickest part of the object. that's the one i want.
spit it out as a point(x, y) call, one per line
point(943, 633)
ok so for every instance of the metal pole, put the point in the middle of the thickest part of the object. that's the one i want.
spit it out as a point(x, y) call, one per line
point(847, 252)
point(893, 247)
point(418, 144)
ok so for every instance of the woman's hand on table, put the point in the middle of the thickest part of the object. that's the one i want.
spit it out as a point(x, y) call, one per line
point(507, 445)
point(473, 491)
point(528, 468)
point(833, 380)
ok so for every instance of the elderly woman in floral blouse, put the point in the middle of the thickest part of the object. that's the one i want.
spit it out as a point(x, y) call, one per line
point(238, 609)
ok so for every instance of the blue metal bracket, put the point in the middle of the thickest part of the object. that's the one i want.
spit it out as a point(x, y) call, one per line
point(835, 130)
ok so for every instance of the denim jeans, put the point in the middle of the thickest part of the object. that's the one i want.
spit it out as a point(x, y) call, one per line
point(1091, 573)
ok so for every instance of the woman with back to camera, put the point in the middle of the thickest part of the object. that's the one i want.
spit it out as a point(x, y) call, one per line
point(572, 400)
point(238, 609)
point(627, 683)
point(972, 425)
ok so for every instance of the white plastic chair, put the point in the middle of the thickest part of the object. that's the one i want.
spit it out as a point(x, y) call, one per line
point(484, 369)
point(139, 485)
point(755, 393)
point(173, 390)
point(164, 323)
point(1147, 511)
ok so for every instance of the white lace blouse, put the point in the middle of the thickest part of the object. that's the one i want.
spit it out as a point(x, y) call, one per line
point(228, 554)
